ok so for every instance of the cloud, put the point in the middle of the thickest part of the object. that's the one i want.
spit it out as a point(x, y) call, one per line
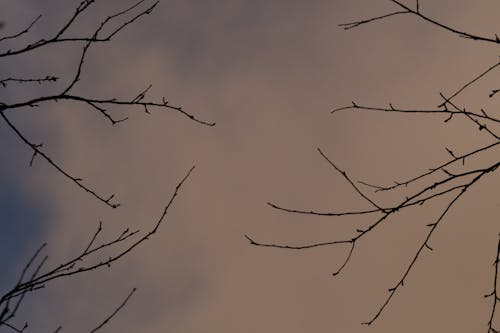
point(267, 73)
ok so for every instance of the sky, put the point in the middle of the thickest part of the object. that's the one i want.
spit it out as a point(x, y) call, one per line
point(268, 73)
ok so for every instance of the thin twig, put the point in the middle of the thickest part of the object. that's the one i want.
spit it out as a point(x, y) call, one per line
point(113, 314)
point(494, 293)
point(417, 12)
point(48, 78)
point(22, 32)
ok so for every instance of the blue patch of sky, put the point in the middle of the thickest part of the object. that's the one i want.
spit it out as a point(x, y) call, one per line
point(22, 217)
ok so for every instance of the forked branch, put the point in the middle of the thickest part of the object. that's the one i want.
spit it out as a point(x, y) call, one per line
point(450, 179)
point(100, 105)
point(404, 9)
point(11, 301)
point(495, 294)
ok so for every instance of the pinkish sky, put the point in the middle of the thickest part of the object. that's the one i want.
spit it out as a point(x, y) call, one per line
point(268, 73)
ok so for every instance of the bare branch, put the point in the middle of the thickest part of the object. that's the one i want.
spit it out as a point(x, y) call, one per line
point(481, 126)
point(100, 105)
point(470, 83)
point(93, 38)
point(37, 151)
point(440, 167)
point(392, 109)
point(48, 78)
point(113, 314)
point(14, 328)
point(295, 247)
point(417, 12)
point(425, 244)
point(80, 9)
point(311, 212)
point(80, 264)
point(494, 293)
point(97, 254)
point(453, 179)
point(22, 32)
point(355, 24)
point(344, 174)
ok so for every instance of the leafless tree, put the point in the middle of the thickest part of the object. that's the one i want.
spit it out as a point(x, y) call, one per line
point(36, 274)
point(449, 179)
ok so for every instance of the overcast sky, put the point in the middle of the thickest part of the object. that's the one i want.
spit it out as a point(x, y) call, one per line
point(268, 73)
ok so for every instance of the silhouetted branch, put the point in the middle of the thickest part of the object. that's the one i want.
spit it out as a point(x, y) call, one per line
point(97, 254)
point(47, 78)
point(418, 12)
point(79, 264)
point(471, 82)
point(14, 328)
point(8, 313)
point(110, 316)
point(494, 293)
point(312, 212)
point(113, 314)
point(38, 152)
point(295, 247)
point(355, 24)
point(481, 126)
point(22, 32)
point(58, 37)
point(493, 92)
point(450, 179)
point(391, 108)
point(344, 174)
point(99, 105)
point(432, 170)
point(425, 243)
point(418, 198)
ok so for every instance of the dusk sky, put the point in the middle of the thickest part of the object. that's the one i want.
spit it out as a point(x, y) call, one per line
point(268, 73)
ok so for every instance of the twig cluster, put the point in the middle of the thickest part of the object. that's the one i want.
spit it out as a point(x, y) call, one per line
point(34, 275)
point(417, 11)
point(450, 184)
point(495, 294)
point(120, 21)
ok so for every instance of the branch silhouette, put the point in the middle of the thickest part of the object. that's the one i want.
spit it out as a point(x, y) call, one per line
point(448, 180)
point(34, 275)
point(404, 9)
point(99, 253)
point(495, 294)
point(99, 105)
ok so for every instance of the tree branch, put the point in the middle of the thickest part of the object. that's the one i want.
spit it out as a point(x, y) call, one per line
point(417, 12)
point(79, 264)
point(494, 293)
point(113, 314)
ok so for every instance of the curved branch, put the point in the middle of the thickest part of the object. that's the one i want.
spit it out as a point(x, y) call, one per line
point(22, 32)
point(78, 264)
point(418, 12)
point(38, 152)
point(494, 293)
point(113, 314)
